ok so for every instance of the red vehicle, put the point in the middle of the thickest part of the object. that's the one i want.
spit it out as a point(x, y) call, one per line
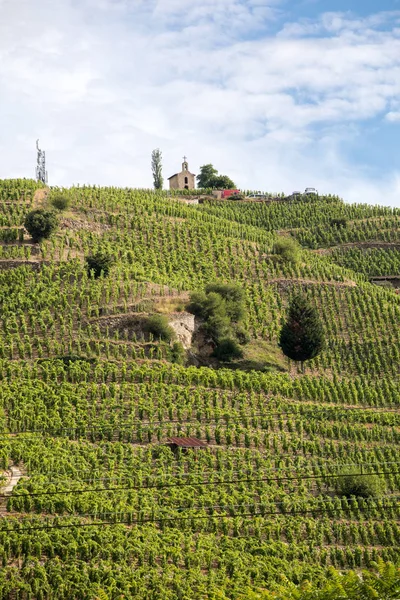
point(227, 193)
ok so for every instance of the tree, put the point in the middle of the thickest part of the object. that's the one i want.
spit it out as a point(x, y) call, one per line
point(221, 182)
point(40, 224)
point(207, 172)
point(156, 167)
point(302, 336)
point(209, 178)
point(99, 263)
point(288, 248)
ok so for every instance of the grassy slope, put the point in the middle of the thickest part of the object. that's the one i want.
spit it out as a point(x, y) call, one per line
point(109, 415)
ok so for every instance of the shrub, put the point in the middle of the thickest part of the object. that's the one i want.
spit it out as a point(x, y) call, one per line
point(218, 326)
point(236, 196)
point(40, 224)
point(363, 486)
point(221, 306)
point(158, 326)
point(178, 353)
point(59, 200)
point(287, 248)
point(338, 223)
point(234, 297)
point(99, 263)
point(242, 335)
point(227, 350)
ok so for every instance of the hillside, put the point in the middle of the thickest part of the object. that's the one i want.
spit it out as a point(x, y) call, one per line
point(104, 509)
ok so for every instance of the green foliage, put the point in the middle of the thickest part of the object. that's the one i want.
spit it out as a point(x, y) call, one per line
point(69, 359)
point(338, 223)
point(228, 349)
point(234, 298)
point(302, 337)
point(156, 167)
point(272, 435)
point(288, 248)
point(351, 483)
point(178, 353)
point(242, 335)
point(59, 200)
point(99, 263)
point(159, 327)
point(381, 583)
point(221, 182)
point(236, 196)
point(209, 178)
point(207, 172)
point(221, 306)
point(40, 224)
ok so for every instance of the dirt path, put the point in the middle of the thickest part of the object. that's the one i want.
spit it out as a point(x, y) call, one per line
point(377, 245)
point(15, 475)
point(283, 281)
point(40, 197)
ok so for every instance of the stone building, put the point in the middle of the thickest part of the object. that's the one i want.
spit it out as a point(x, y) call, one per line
point(183, 180)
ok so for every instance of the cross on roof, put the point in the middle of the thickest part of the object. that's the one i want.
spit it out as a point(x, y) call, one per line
point(184, 159)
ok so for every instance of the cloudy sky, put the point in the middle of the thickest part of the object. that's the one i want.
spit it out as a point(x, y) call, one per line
point(278, 94)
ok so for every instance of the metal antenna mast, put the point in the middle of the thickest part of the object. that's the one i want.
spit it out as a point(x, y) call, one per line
point(41, 173)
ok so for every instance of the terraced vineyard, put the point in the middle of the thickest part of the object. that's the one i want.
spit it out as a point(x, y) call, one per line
point(104, 508)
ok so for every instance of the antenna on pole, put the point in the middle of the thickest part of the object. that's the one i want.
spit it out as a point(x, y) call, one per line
point(41, 173)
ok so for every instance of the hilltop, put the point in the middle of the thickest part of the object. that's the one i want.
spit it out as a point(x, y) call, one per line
point(104, 508)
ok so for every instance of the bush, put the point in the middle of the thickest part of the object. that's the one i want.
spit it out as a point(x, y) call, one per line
point(338, 223)
point(221, 306)
point(158, 326)
point(218, 326)
point(227, 350)
point(363, 486)
point(236, 196)
point(99, 263)
point(242, 335)
point(40, 224)
point(288, 248)
point(59, 200)
point(234, 297)
point(178, 353)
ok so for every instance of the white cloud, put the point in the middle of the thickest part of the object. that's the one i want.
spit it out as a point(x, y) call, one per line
point(103, 83)
point(393, 116)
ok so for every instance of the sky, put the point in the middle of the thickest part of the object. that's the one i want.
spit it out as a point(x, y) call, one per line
point(278, 94)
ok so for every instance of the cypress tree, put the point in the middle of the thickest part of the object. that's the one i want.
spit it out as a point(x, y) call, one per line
point(302, 336)
point(156, 167)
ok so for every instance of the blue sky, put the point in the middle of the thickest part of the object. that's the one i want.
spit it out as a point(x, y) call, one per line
point(278, 94)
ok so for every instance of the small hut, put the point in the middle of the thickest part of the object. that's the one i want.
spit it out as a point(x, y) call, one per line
point(185, 443)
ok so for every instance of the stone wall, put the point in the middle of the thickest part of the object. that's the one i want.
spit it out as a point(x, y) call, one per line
point(13, 264)
point(184, 325)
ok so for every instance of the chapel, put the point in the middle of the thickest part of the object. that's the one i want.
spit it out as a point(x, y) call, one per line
point(183, 180)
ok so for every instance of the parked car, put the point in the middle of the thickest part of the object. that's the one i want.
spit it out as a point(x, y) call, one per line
point(311, 191)
point(253, 196)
